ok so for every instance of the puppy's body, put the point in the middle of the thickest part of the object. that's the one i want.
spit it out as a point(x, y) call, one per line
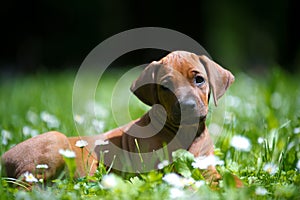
point(180, 84)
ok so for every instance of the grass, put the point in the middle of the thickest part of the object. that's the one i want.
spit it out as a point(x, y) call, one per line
point(264, 111)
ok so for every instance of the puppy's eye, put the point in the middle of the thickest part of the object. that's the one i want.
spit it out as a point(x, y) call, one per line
point(199, 80)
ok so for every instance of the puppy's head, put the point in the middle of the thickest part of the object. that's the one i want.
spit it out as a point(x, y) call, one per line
point(181, 82)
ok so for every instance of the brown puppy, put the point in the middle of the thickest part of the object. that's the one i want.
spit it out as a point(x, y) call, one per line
point(178, 89)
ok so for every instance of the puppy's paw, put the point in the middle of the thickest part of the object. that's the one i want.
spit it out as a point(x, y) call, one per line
point(42, 149)
point(212, 176)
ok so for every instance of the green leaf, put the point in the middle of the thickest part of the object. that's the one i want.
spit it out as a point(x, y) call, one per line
point(197, 175)
point(183, 155)
point(136, 181)
point(183, 162)
point(152, 176)
point(183, 169)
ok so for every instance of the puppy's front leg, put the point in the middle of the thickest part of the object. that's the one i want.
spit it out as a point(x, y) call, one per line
point(203, 146)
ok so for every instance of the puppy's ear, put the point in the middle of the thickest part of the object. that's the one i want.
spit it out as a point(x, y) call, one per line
point(145, 87)
point(219, 78)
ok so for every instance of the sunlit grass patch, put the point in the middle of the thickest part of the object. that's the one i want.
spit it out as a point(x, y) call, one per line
point(257, 139)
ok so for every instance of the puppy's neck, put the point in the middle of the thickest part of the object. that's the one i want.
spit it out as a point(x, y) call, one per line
point(159, 120)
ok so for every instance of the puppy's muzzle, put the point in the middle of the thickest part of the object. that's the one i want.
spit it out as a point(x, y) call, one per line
point(187, 111)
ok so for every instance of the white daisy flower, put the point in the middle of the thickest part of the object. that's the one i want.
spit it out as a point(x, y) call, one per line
point(100, 111)
point(101, 142)
point(173, 179)
point(177, 181)
point(187, 181)
point(229, 117)
point(271, 168)
point(42, 166)
point(76, 186)
point(81, 143)
point(298, 165)
point(51, 120)
point(199, 184)
point(67, 153)
point(297, 130)
point(32, 117)
point(97, 109)
point(176, 193)
point(29, 177)
point(6, 135)
point(27, 131)
point(98, 125)
point(261, 191)
point(34, 132)
point(79, 119)
point(260, 140)
point(233, 101)
point(109, 181)
point(240, 143)
point(203, 162)
point(163, 164)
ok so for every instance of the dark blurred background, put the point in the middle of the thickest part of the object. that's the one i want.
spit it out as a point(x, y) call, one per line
point(55, 35)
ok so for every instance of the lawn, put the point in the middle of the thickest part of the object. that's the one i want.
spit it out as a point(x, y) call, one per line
point(256, 129)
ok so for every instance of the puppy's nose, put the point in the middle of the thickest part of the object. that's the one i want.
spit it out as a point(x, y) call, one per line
point(187, 104)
